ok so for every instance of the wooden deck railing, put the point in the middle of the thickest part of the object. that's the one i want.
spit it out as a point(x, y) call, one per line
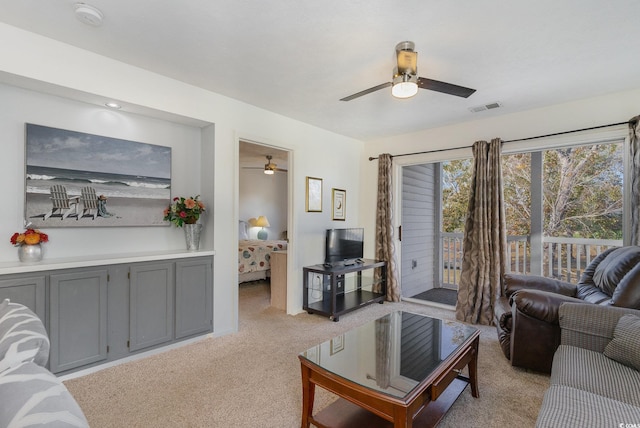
point(563, 258)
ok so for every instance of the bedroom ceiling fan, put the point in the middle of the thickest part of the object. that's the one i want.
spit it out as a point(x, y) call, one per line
point(406, 82)
point(269, 168)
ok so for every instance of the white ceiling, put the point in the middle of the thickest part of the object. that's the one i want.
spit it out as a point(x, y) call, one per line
point(299, 57)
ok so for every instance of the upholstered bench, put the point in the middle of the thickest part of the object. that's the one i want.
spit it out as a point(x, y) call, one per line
point(29, 393)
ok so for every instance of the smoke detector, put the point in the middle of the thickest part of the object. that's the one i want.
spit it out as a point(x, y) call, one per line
point(88, 14)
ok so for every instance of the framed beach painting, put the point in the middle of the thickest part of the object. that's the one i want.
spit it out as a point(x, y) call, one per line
point(75, 179)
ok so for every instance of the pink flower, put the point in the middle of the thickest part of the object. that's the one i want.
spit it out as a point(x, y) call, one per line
point(183, 214)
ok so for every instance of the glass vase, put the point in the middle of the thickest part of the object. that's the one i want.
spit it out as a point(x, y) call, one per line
point(30, 253)
point(192, 236)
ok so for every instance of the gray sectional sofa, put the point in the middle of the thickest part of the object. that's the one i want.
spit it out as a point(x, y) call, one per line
point(29, 394)
point(595, 377)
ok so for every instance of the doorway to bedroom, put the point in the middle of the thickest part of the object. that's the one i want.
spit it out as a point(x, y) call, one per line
point(263, 187)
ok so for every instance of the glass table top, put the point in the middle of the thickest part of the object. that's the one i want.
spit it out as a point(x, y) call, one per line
point(392, 354)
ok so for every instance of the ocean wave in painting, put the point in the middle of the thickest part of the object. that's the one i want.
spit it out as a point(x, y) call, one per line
point(40, 180)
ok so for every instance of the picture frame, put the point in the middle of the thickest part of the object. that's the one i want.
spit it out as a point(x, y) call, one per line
point(339, 204)
point(314, 195)
point(337, 344)
point(77, 179)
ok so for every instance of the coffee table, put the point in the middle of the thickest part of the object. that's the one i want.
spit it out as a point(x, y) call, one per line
point(400, 370)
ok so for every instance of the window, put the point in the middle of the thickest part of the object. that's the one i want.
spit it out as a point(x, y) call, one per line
point(575, 214)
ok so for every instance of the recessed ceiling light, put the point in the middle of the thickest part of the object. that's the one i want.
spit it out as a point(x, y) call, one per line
point(88, 14)
point(113, 105)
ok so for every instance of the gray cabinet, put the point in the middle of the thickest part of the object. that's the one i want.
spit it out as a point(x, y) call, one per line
point(107, 312)
point(26, 290)
point(194, 300)
point(150, 304)
point(78, 319)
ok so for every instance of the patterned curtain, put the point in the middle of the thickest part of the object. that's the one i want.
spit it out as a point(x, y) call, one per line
point(485, 238)
point(634, 137)
point(385, 249)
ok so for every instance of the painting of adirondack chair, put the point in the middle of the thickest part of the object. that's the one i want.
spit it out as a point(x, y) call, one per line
point(62, 204)
point(89, 202)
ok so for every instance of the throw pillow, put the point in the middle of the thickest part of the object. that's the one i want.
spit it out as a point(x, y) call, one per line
point(22, 336)
point(625, 346)
point(32, 396)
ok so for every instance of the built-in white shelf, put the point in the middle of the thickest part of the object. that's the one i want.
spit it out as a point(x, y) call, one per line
point(95, 260)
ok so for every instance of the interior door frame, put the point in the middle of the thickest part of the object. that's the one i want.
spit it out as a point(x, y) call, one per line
point(291, 231)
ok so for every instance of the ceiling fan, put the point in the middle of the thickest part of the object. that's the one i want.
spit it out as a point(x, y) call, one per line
point(269, 168)
point(406, 82)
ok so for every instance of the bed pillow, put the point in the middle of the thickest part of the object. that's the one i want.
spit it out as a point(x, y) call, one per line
point(625, 346)
point(32, 396)
point(22, 336)
point(242, 230)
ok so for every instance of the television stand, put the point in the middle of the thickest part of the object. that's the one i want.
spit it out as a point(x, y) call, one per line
point(340, 288)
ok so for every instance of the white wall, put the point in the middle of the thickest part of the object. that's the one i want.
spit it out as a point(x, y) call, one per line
point(262, 194)
point(20, 106)
point(604, 110)
point(34, 60)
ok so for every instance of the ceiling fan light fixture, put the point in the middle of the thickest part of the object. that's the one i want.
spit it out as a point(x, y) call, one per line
point(404, 86)
point(269, 168)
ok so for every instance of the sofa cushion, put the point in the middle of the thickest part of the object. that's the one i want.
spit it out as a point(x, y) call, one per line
point(32, 396)
point(22, 336)
point(564, 406)
point(593, 372)
point(625, 346)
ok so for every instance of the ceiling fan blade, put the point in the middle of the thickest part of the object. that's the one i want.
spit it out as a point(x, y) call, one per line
point(366, 91)
point(447, 88)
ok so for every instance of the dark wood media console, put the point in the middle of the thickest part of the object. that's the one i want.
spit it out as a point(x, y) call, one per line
point(334, 290)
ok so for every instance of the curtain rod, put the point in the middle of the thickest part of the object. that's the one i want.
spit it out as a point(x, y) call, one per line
point(509, 141)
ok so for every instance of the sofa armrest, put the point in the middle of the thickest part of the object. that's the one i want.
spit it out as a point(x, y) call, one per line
point(542, 305)
point(516, 282)
point(590, 326)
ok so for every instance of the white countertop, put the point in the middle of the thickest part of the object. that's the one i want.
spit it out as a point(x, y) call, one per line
point(95, 260)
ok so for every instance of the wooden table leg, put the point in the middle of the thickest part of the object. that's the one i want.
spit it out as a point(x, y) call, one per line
point(308, 395)
point(401, 418)
point(473, 369)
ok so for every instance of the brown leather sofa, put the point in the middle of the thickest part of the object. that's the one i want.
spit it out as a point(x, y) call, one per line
point(526, 317)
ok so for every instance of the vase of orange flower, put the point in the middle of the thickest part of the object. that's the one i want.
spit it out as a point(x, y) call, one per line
point(29, 244)
point(185, 212)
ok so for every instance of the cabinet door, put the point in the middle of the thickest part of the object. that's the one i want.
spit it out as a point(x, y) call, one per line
point(28, 291)
point(150, 304)
point(194, 297)
point(78, 320)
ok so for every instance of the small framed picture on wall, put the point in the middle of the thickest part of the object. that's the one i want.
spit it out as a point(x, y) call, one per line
point(339, 204)
point(314, 194)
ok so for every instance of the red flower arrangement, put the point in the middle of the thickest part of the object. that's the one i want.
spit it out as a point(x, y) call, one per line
point(29, 237)
point(184, 210)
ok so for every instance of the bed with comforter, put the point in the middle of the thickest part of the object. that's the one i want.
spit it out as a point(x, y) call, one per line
point(254, 256)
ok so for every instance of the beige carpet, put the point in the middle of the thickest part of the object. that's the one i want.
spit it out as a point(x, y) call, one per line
point(252, 378)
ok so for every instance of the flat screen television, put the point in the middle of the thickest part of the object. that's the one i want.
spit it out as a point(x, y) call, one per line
point(344, 245)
